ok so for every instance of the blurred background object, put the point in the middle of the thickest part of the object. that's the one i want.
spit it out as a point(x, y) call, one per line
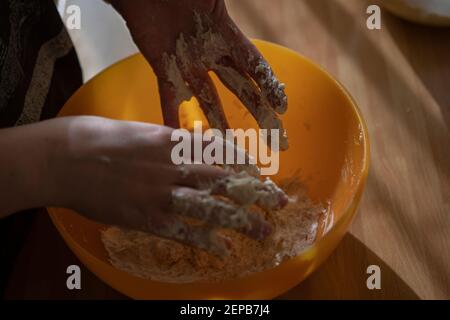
point(429, 12)
point(103, 38)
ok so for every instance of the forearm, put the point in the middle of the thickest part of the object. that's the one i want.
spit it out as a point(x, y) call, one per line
point(26, 166)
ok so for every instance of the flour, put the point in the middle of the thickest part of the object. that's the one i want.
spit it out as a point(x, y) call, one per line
point(296, 227)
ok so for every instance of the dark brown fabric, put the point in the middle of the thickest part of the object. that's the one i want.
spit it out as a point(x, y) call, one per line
point(26, 27)
point(38, 64)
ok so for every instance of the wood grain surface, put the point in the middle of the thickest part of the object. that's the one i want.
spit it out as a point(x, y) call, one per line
point(400, 77)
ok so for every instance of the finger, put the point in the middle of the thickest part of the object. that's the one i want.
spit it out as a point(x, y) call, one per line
point(198, 80)
point(246, 190)
point(247, 92)
point(248, 58)
point(200, 176)
point(171, 227)
point(232, 157)
point(211, 149)
point(218, 213)
point(169, 104)
point(242, 188)
point(251, 60)
point(206, 94)
point(172, 89)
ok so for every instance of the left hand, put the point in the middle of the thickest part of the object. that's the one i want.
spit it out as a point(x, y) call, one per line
point(183, 40)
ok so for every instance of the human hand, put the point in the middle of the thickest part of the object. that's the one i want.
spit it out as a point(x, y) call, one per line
point(183, 40)
point(121, 173)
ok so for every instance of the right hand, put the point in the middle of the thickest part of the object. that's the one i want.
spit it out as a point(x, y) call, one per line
point(184, 40)
point(121, 173)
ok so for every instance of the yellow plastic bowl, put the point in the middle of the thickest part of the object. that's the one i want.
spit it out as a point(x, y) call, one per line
point(329, 149)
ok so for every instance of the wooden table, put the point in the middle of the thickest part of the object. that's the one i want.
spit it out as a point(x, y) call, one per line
point(400, 77)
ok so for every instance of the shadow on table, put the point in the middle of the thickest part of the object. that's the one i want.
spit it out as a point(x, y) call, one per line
point(343, 276)
point(427, 50)
point(418, 51)
point(40, 269)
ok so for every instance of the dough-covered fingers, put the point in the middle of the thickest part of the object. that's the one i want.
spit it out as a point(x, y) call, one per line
point(236, 159)
point(245, 190)
point(248, 57)
point(199, 175)
point(173, 89)
point(208, 99)
point(244, 88)
point(214, 151)
point(171, 227)
point(169, 103)
point(218, 213)
point(240, 187)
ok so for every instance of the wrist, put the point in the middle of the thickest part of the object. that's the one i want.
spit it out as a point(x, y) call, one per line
point(25, 175)
point(69, 142)
point(54, 148)
point(48, 156)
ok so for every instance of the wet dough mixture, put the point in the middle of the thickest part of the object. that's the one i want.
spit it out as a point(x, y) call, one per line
point(295, 228)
